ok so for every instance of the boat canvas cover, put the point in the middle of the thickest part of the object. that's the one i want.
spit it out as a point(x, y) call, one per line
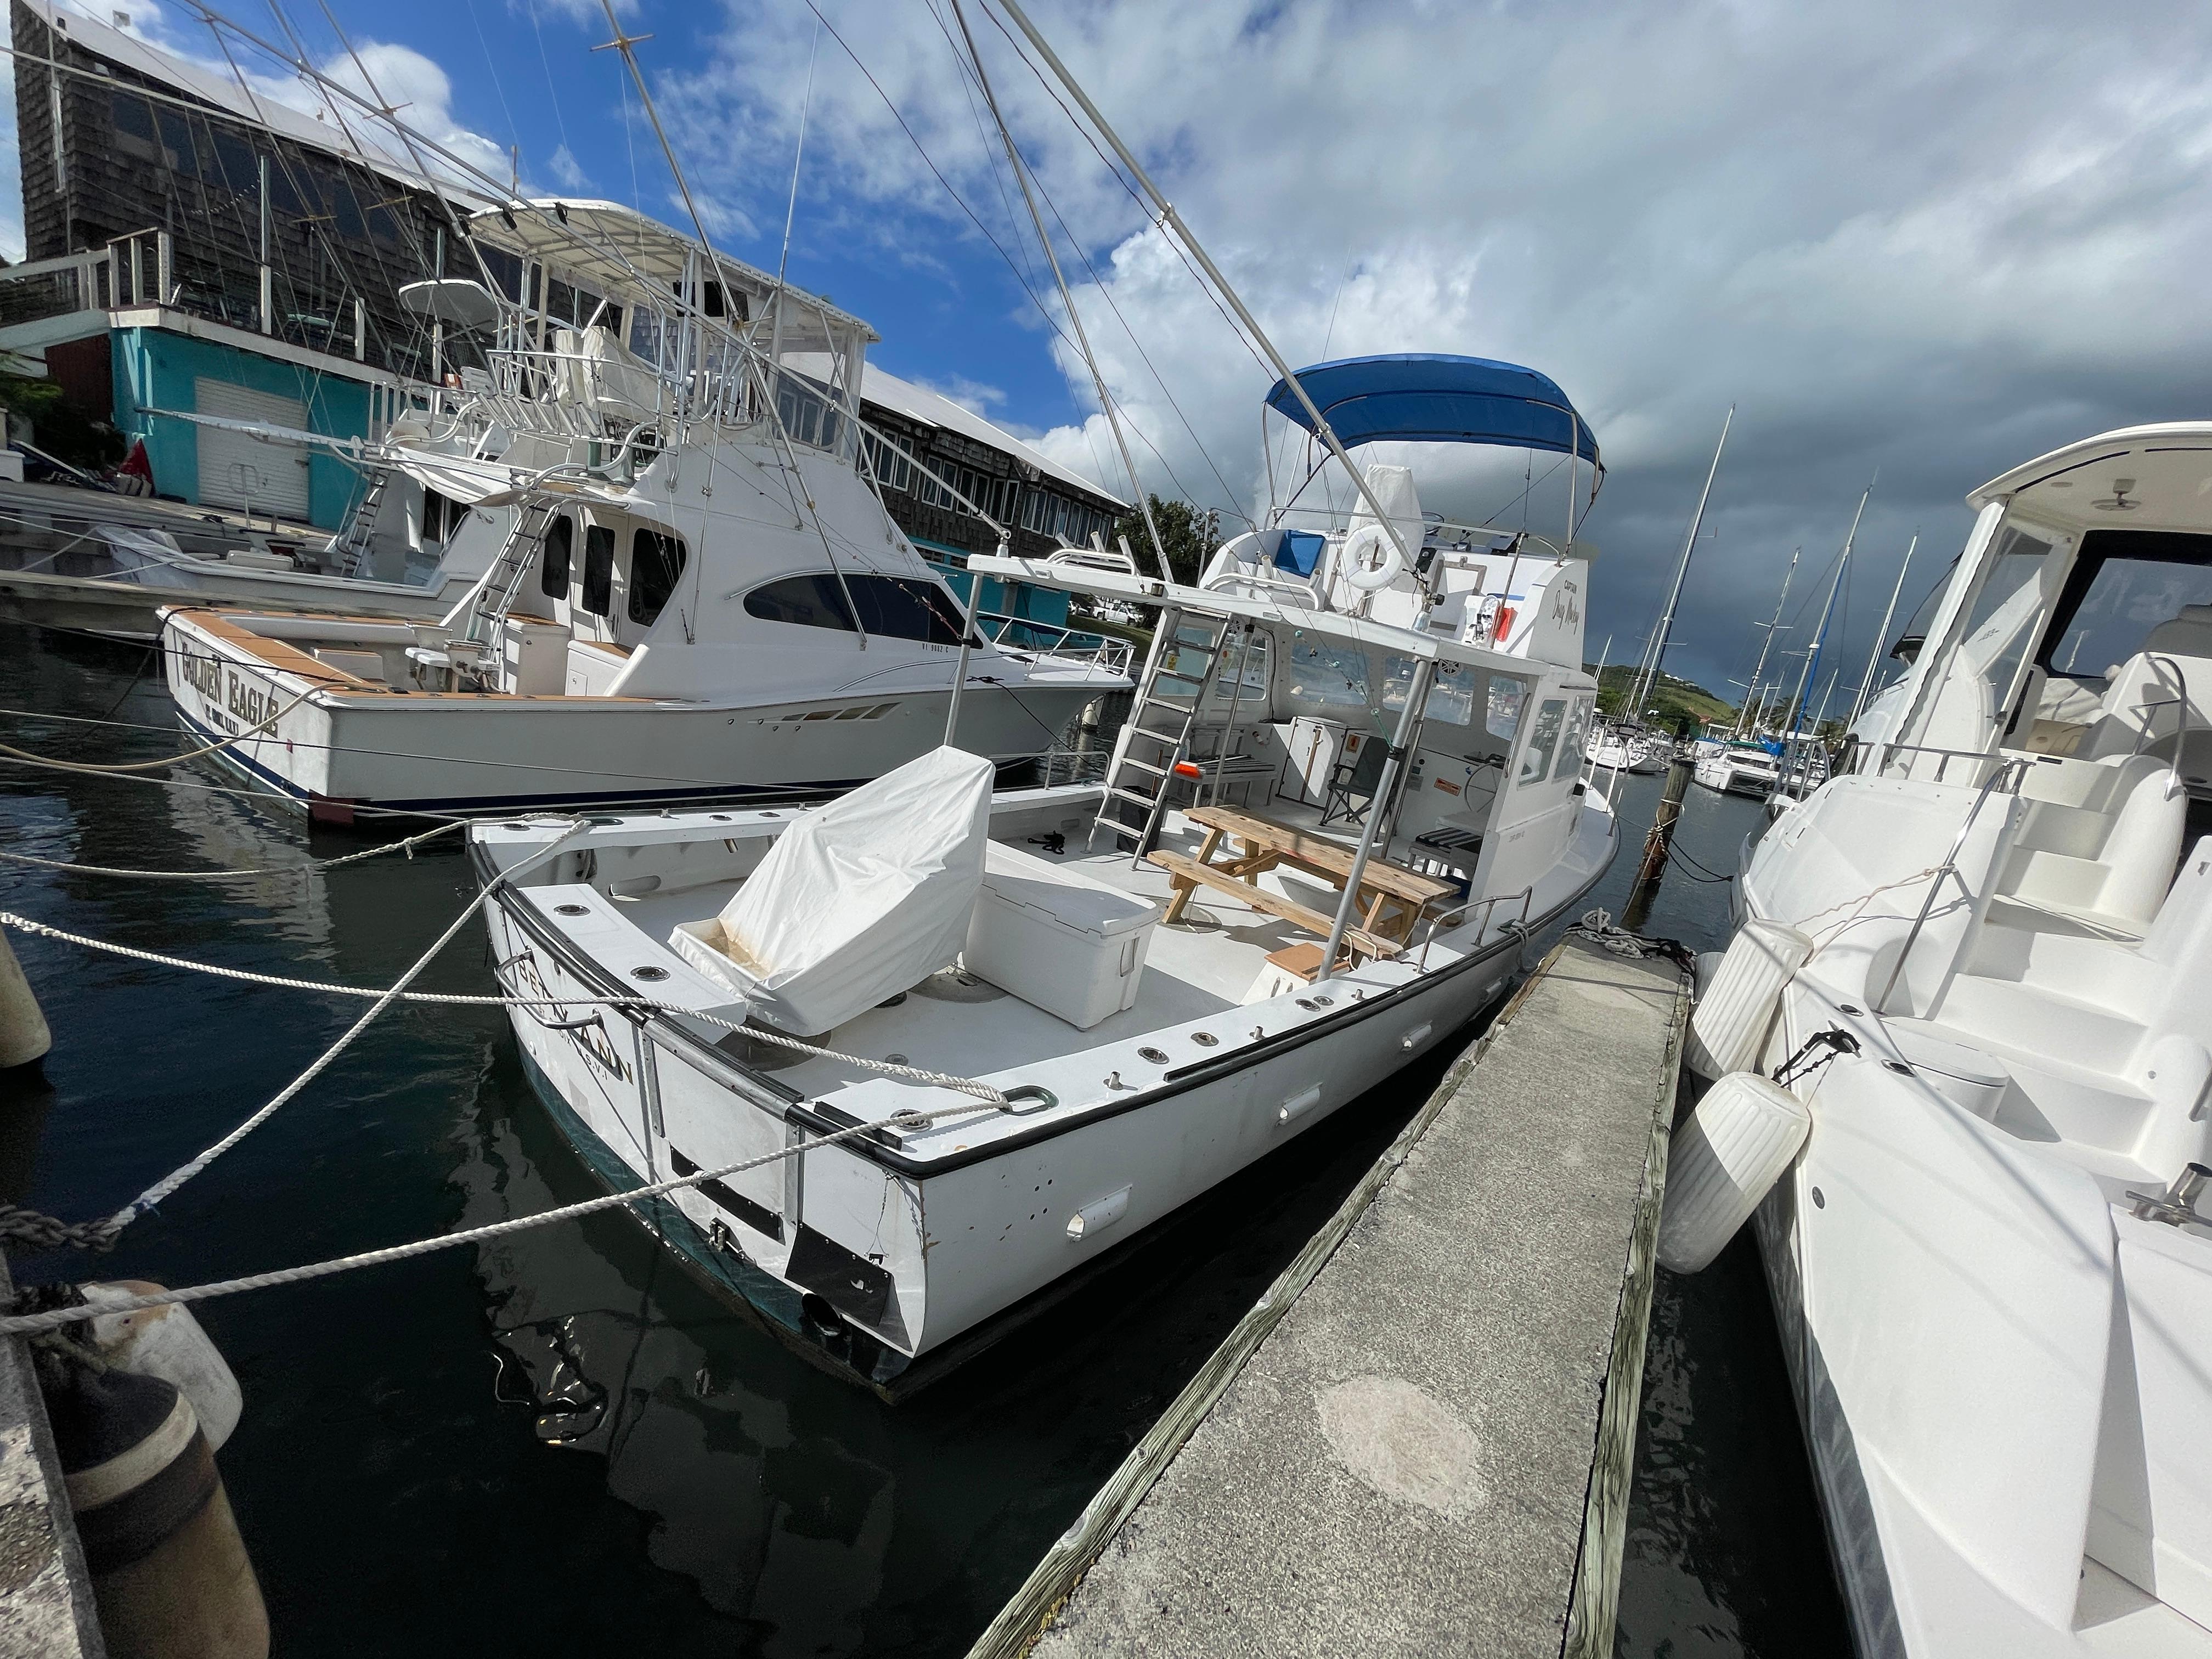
point(1431, 398)
point(863, 898)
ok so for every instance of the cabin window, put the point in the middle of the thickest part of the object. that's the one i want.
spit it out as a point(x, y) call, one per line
point(1332, 674)
point(1243, 677)
point(656, 561)
point(1503, 719)
point(553, 569)
point(901, 608)
point(1451, 696)
point(441, 516)
point(2125, 585)
point(598, 569)
point(2007, 613)
point(1570, 747)
point(1543, 740)
point(504, 270)
point(803, 601)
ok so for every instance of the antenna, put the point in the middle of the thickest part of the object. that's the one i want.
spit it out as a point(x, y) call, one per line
point(791, 209)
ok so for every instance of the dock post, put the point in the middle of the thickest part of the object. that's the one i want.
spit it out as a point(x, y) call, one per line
point(24, 1035)
point(1655, 844)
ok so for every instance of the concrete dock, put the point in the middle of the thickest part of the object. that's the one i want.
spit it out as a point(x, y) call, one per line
point(45, 1595)
point(1420, 1440)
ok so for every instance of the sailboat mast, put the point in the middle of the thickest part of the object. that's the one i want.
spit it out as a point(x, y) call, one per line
point(1647, 673)
point(1827, 609)
point(1767, 644)
point(1873, 658)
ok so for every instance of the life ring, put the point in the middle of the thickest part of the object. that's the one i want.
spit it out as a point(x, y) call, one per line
point(1352, 561)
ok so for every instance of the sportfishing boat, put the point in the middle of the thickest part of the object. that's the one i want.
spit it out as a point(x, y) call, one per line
point(1736, 769)
point(1350, 790)
point(688, 584)
point(1971, 1006)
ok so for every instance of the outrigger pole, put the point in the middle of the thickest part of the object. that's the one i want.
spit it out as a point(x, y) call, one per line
point(1417, 694)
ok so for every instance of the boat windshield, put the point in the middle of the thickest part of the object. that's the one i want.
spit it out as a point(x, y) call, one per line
point(2124, 585)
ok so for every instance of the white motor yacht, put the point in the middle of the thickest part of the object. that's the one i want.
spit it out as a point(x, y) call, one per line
point(1737, 769)
point(1342, 805)
point(689, 587)
point(1980, 961)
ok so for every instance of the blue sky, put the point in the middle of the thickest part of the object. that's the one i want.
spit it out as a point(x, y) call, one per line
point(1929, 242)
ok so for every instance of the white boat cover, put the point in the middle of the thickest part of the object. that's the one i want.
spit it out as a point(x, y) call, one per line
point(865, 896)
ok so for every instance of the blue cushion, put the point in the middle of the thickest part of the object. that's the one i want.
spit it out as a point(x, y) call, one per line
point(1299, 551)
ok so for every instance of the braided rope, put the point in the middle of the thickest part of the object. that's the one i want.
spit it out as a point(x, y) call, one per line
point(982, 1091)
point(52, 1319)
point(47, 1233)
point(409, 845)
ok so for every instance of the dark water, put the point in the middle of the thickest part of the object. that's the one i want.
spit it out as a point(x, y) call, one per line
point(562, 1445)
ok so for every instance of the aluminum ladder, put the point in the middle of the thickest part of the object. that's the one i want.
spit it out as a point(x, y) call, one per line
point(361, 529)
point(1185, 664)
point(513, 562)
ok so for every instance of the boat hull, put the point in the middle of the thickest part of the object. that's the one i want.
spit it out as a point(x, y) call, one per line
point(960, 1250)
point(467, 754)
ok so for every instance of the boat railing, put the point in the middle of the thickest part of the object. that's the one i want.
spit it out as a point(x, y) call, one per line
point(1876, 758)
point(1034, 640)
point(1458, 915)
point(2013, 770)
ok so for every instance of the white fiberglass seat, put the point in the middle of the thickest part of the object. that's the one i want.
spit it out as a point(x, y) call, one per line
point(858, 899)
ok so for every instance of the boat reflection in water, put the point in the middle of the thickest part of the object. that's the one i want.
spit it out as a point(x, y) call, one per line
point(816, 1519)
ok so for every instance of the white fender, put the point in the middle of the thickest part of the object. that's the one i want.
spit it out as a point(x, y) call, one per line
point(1370, 540)
point(1736, 1006)
point(1745, 1134)
point(167, 1342)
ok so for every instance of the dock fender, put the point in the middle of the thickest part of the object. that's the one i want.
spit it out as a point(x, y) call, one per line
point(1736, 1007)
point(1721, 1161)
point(167, 1342)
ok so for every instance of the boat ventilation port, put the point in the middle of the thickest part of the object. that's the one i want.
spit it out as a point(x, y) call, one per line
point(572, 909)
point(1152, 1056)
point(1205, 1039)
point(648, 972)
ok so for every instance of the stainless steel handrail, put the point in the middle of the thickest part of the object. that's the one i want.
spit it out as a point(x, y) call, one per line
point(1878, 756)
point(1489, 908)
point(1948, 867)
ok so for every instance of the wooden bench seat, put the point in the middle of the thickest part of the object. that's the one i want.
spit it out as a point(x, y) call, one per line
point(1189, 873)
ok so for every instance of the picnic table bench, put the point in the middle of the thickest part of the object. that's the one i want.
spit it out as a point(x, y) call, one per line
point(1391, 901)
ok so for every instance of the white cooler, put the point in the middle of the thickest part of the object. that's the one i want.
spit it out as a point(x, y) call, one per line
point(1056, 938)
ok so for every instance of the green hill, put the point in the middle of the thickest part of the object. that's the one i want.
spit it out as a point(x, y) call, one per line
point(1673, 702)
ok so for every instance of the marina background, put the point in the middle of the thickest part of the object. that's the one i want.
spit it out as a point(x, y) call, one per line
point(563, 1443)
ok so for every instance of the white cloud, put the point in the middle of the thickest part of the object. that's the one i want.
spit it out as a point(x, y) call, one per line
point(973, 396)
point(565, 171)
point(1934, 240)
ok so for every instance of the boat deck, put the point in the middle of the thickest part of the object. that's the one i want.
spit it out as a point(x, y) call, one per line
point(1199, 965)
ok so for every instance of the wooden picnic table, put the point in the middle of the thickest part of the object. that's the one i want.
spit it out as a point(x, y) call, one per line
point(1391, 901)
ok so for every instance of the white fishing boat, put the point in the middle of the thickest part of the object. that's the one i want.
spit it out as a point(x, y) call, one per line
point(1736, 769)
point(1158, 985)
point(1980, 964)
point(688, 586)
point(1614, 748)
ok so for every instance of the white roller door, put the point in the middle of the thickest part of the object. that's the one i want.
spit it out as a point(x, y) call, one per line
point(236, 470)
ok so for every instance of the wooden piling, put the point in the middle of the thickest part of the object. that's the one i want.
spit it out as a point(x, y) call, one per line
point(1656, 843)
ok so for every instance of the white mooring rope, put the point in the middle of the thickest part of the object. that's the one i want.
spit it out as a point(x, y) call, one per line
point(982, 1091)
point(53, 1319)
point(407, 845)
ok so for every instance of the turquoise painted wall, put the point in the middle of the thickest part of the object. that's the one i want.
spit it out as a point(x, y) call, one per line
point(156, 369)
